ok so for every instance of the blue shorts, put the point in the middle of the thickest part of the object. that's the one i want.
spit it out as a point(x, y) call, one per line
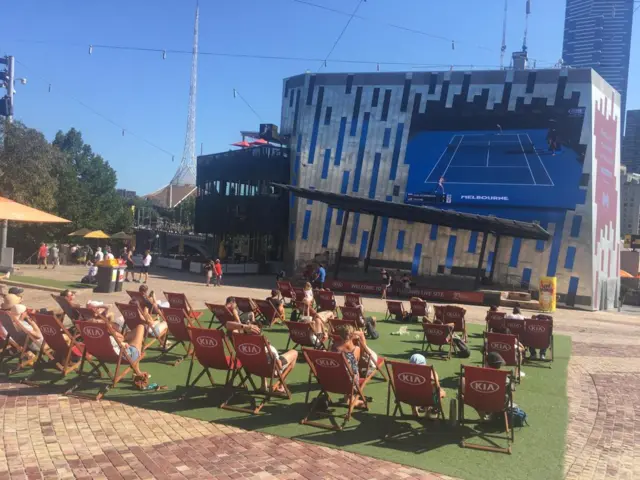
point(133, 353)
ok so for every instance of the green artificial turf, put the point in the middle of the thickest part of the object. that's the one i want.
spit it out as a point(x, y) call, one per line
point(537, 452)
point(49, 282)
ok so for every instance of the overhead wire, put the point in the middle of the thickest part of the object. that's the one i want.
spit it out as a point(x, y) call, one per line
point(236, 92)
point(94, 111)
point(344, 29)
point(266, 57)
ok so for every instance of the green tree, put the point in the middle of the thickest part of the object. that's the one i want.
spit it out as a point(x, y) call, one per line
point(29, 167)
point(87, 193)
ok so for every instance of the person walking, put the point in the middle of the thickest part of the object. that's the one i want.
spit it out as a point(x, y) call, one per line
point(42, 256)
point(218, 271)
point(208, 271)
point(54, 253)
point(146, 263)
point(130, 265)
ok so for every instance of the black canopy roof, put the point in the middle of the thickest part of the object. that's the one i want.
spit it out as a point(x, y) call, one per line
point(428, 215)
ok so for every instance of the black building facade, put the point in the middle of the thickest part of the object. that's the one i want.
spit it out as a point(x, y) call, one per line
point(237, 205)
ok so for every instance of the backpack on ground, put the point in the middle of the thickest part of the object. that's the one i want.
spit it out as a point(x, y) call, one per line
point(461, 348)
point(517, 417)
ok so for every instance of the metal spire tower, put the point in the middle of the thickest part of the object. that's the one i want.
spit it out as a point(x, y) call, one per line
point(186, 174)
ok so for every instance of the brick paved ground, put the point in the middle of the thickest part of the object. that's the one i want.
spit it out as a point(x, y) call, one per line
point(48, 436)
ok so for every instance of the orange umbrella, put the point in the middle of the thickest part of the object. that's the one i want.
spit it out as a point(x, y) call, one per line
point(16, 212)
point(624, 274)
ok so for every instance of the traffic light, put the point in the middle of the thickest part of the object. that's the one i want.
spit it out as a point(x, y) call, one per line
point(6, 81)
point(6, 108)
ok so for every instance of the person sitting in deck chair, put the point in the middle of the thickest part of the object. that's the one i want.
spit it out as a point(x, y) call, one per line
point(23, 324)
point(352, 344)
point(103, 310)
point(132, 341)
point(495, 361)
point(246, 317)
point(418, 359)
point(277, 301)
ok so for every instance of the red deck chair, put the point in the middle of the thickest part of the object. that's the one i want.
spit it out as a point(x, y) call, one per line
point(395, 309)
point(352, 299)
point(507, 346)
point(212, 350)
point(413, 385)
point(16, 344)
point(298, 293)
point(133, 317)
point(495, 320)
point(66, 353)
point(438, 312)
point(137, 296)
point(334, 323)
point(88, 313)
point(302, 307)
point(301, 334)
point(256, 358)
point(333, 372)
point(515, 326)
point(179, 300)
point(326, 301)
point(220, 313)
point(246, 305)
point(487, 391)
point(178, 323)
point(439, 335)
point(286, 289)
point(456, 315)
point(418, 307)
point(539, 335)
point(97, 343)
point(267, 313)
point(351, 313)
point(66, 307)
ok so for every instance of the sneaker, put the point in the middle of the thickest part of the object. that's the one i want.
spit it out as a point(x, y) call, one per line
point(543, 356)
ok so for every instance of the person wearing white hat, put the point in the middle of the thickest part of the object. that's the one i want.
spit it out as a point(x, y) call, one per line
point(16, 312)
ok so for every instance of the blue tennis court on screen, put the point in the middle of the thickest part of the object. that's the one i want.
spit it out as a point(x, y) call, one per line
point(514, 167)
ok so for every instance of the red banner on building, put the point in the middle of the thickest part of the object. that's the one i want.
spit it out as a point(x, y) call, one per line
point(424, 293)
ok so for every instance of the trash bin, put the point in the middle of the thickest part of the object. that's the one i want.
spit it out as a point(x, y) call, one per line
point(120, 278)
point(107, 278)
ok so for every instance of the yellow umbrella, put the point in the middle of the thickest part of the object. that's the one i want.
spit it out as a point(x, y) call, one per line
point(96, 234)
point(79, 233)
point(16, 212)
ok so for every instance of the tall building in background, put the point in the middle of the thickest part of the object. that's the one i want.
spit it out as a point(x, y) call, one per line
point(631, 142)
point(630, 197)
point(597, 34)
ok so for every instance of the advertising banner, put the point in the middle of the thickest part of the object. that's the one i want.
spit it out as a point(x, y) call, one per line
point(424, 293)
point(548, 290)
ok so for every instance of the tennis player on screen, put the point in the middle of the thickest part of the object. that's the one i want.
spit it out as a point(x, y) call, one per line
point(552, 140)
point(440, 190)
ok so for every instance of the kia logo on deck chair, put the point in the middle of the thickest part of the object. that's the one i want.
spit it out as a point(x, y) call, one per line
point(207, 342)
point(327, 363)
point(500, 347)
point(537, 328)
point(483, 386)
point(411, 378)
point(435, 332)
point(248, 349)
point(48, 330)
point(93, 332)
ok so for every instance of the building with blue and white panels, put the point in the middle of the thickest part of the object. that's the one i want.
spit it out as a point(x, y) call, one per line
point(529, 145)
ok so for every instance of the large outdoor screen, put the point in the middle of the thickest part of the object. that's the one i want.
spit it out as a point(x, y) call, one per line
point(530, 158)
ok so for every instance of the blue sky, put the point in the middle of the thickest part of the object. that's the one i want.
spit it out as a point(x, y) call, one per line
point(148, 95)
